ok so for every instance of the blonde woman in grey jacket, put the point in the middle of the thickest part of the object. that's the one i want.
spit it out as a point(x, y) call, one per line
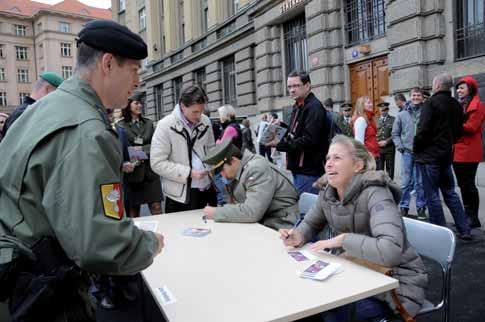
point(359, 205)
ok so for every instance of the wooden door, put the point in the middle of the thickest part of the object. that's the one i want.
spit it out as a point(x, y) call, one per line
point(370, 78)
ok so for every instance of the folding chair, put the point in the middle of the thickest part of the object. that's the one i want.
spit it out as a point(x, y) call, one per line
point(307, 200)
point(436, 243)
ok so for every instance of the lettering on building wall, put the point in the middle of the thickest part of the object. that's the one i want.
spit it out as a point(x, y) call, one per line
point(290, 4)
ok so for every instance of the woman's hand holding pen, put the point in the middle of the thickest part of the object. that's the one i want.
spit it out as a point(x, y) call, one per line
point(291, 237)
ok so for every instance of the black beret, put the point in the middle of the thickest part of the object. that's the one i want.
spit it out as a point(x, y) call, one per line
point(111, 37)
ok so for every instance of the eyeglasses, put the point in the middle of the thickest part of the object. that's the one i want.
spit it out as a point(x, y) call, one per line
point(294, 86)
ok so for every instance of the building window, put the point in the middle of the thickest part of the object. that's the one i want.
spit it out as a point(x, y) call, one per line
point(66, 72)
point(201, 44)
point(22, 96)
point(2, 74)
point(122, 5)
point(365, 20)
point(296, 45)
point(142, 19)
point(470, 28)
point(205, 16)
point(199, 78)
point(1, 51)
point(229, 81)
point(64, 27)
point(233, 6)
point(122, 18)
point(226, 30)
point(41, 51)
point(3, 99)
point(23, 75)
point(177, 89)
point(20, 30)
point(65, 49)
point(158, 91)
point(21, 53)
point(39, 26)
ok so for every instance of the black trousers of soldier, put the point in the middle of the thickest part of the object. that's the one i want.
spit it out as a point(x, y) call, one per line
point(386, 162)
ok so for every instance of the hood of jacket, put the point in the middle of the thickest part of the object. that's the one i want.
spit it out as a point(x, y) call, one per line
point(471, 82)
point(359, 183)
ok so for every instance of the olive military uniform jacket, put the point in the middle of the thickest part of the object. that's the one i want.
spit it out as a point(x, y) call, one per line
point(344, 126)
point(374, 231)
point(60, 176)
point(261, 193)
point(384, 132)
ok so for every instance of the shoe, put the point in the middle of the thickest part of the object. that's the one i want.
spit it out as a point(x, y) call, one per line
point(475, 223)
point(466, 237)
point(404, 212)
point(422, 214)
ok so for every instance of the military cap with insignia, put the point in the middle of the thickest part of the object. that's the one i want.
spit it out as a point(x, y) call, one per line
point(346, 106)
point(383, 105)
point(52, 78)
point(136, 96)
point(221, 153)
point(113, 38)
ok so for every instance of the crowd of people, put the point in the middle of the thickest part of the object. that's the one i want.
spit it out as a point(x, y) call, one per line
point(66, 185)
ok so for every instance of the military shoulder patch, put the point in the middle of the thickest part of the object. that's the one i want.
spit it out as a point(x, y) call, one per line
point(112, 200)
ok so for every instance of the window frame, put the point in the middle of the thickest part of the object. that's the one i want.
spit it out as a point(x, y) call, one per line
point(121, 8)
point(22, 53)
point(66, 49)
point(229, 81)
point(177, 86)
point(142, 18)
point(20, 30)
point(64, 24)
point(365, 20)
point(3, 99)
point(66, 71)
point(457, 30)
point(296, 52)
point(3, 74)
point(23, 75)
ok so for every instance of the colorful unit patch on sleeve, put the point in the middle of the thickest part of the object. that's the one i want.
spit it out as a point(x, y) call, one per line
point(112, 200)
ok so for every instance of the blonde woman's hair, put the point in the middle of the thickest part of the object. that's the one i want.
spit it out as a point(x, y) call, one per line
point(226, 113)
point(358, 151)
point(360, 107)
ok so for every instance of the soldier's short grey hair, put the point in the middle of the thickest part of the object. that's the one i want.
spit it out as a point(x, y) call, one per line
point(87, 57)
point(443, 81)
point(358, 151)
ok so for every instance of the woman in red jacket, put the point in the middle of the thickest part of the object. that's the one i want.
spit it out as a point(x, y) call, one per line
point(468, 151)
point(364, 125)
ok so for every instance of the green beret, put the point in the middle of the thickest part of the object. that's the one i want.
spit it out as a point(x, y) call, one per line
point(52, 78)
point(346, 106)
point(220, 153)
point(383, 105)
point(111, 37)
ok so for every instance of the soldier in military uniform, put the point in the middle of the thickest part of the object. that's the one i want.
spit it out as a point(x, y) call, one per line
point(61, 205)
point(384, 139)
point(259, 191)
point(344, 119)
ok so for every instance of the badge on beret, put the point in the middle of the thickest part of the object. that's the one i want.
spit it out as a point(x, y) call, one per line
point(112, 200)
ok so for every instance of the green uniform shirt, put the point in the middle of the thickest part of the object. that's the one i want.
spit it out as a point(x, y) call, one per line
point(60, 176)
point(384, 132)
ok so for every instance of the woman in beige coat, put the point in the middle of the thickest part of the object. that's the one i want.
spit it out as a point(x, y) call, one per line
point(359, 205)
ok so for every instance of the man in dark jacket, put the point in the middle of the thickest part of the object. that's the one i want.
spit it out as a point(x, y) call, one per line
point(46, 83)
point(439, 127)
point(305, 143)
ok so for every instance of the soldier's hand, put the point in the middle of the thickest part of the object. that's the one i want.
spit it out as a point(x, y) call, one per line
point(382, 143)
point(161, 242)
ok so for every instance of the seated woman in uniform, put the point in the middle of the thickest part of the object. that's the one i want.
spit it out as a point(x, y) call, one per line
point(359, 206)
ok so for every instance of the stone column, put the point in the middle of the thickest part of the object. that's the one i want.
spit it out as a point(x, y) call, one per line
point(325, 48)
point(415, 32)
point(214, 85)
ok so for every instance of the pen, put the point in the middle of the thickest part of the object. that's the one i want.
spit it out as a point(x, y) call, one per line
point(294, 226)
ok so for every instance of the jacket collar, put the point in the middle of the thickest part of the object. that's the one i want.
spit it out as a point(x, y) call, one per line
point(358, 184)
point(247, 156)
point(181, 124)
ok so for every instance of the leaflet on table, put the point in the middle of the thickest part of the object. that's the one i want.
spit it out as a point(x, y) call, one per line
point(268, 131)
point(320, 270)
point(137, 153)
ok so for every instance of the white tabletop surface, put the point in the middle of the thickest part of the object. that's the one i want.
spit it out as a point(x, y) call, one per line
point(242, 273)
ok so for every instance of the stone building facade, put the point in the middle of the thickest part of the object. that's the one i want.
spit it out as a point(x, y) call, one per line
point(350, 48)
